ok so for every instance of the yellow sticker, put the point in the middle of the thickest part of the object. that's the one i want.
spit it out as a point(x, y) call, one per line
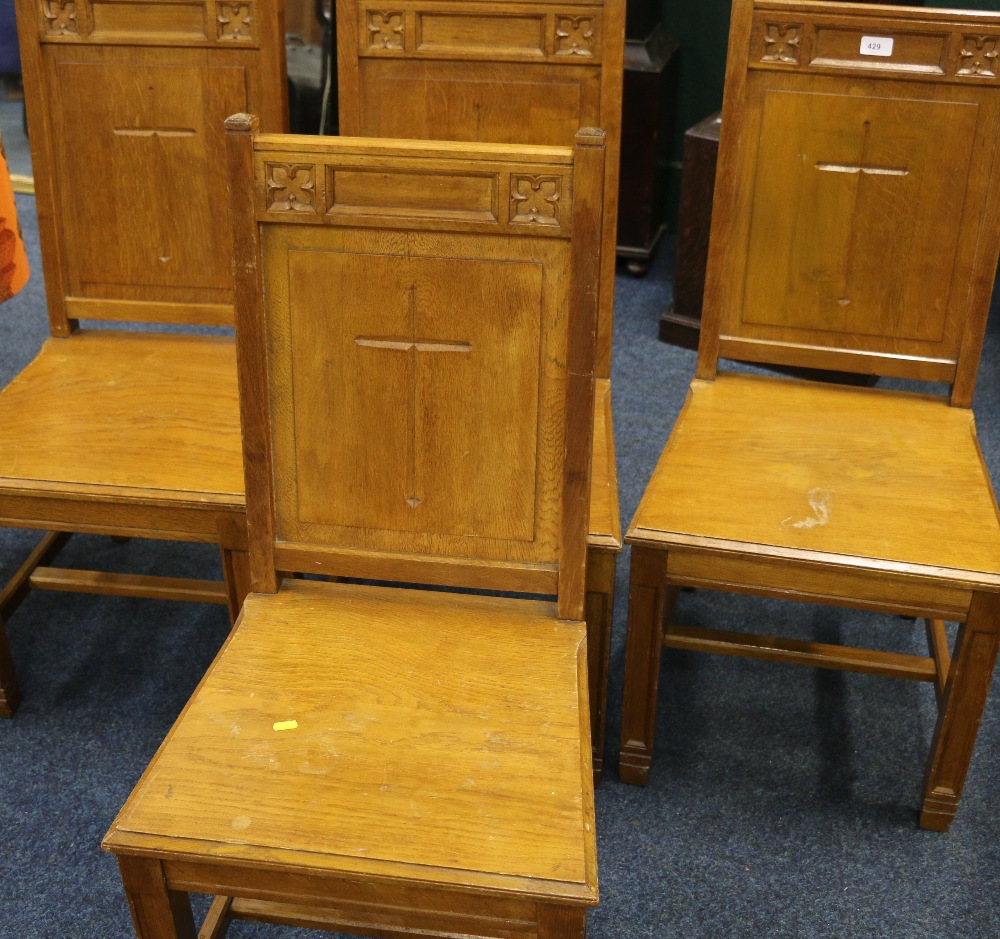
point(285, 725)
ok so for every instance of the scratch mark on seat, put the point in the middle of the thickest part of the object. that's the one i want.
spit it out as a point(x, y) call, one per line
point(819, 502)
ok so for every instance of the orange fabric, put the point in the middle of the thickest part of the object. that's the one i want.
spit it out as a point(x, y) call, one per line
point(13, 260)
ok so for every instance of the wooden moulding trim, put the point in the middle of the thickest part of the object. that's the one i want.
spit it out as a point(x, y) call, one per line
point(472, 573)
point(605, 542)
point(843, 360)
point(111, 517)
point(165, 499)
point(945, 576)
point(381, 148)
point(135, 311)
point(191, 866)
point(968, 18)
point(797, 652)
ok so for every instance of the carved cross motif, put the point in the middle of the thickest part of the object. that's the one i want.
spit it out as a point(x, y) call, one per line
point(234, 21)
point(412, 345)
point(979, 56)
point(864, 169)
point(60, 18)
point(534, 200)
point(156, 143)
point(385, 30)
point(574, 35)
point(291, 187)
point(781, 44)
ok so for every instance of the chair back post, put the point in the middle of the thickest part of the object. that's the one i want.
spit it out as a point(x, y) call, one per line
point(588, 195)
point(854, 227)
point(981, 290)
point(726, 188)
point(251, 348)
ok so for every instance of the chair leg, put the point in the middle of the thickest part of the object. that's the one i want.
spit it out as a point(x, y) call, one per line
point(157, 911)
point(561, 922)
point(600, 599)
point(961, 710)
point(643, 644)
point(236, 571)
point(10, 691)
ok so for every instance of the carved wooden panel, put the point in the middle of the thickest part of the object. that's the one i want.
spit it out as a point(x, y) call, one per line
point(491, 195)
point(161, 22)
point(475, 70)
point(852, 228)
point(477, 102)
point(411, 402)
point(415, 393)
point(856, 216)
point(480, 31)
point(146, 149)
point(912, 45)
point(126, 101)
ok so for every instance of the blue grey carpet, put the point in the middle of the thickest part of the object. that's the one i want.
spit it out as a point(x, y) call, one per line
point(782, 803)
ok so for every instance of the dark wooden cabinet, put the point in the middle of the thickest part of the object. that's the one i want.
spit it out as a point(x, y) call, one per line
point(647, 105)
point(681, 321)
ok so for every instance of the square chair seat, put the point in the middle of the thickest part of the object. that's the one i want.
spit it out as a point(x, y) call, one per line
point(437, 738)
point(125, 413)
point(874, 479)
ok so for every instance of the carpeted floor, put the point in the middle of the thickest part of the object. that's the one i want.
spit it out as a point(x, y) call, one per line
point(783, 801)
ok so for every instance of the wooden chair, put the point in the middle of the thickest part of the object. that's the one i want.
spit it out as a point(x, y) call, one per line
point(527, 74)
point(125, 433)
point(853, 230)
point(416, 351)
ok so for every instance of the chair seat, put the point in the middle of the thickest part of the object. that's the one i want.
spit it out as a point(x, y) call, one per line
point(436, 737)
point(787, 468)
point(103, 410)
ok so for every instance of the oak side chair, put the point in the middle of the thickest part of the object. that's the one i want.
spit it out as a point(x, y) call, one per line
point(530, 73)
point(855, 228)
point(110, 431)
point(416, 350)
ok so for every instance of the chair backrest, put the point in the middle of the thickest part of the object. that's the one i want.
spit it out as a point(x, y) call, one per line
point(126, 102)
point(415, 333)
point(469, 70)
point(855, 223)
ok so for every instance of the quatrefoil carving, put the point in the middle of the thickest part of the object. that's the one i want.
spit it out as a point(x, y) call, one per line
point(235, 21)
point(60, 18)
point(534, 200)
point(979, 56)
point(574, 35)
point(291, 187)
point(781, 44)
point(385, 30)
